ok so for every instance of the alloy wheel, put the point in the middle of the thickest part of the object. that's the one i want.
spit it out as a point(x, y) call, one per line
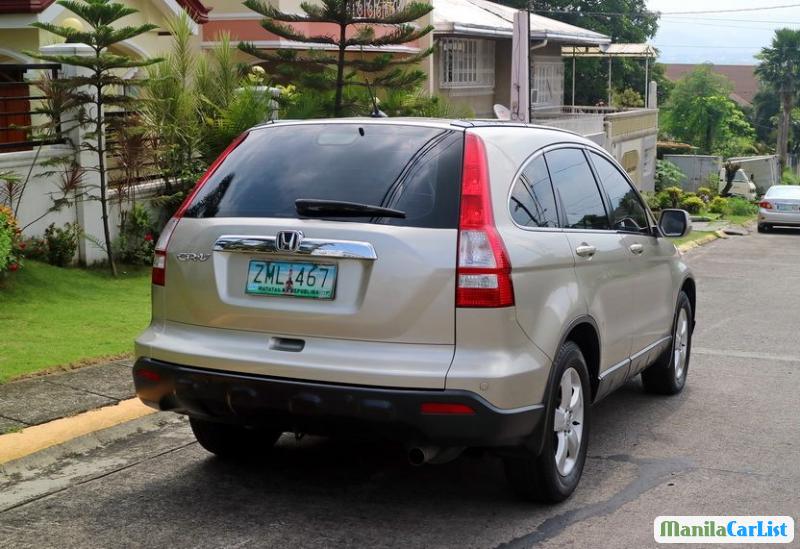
point(568, 421)
point(680, 348)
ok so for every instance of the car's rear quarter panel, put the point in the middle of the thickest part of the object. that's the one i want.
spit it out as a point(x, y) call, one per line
point(505, 354)
point(545, 286)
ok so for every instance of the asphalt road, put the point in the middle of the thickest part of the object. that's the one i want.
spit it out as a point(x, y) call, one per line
point(728, 445)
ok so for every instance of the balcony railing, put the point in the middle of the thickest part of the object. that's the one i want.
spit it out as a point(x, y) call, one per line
point(375, 8)
point(23, 111)
point(589, 121)
point(581, 120)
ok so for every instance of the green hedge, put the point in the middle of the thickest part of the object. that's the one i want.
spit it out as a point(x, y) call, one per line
point(10, 244)
point(6, 241)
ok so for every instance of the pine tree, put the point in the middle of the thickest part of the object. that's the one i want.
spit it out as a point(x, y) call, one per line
point(102, 81)
point(334, 68)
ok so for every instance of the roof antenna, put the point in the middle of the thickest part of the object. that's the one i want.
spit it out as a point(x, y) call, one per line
point(376, 112)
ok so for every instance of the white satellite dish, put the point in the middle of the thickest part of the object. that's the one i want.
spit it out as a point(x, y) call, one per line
point(502, 112)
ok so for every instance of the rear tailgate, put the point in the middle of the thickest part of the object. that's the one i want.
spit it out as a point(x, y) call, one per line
point(387, 280)
point(404, 295)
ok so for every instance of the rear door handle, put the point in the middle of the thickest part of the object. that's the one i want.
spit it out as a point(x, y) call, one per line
point(636, 249)
point(585, 250)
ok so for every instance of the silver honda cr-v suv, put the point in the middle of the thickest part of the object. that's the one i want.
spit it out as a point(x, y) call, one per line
point(444, 284)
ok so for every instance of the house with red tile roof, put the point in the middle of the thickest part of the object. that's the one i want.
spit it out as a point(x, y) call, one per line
point(744, 79)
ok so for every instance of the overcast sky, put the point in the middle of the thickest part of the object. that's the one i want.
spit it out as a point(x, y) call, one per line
point(722, 38)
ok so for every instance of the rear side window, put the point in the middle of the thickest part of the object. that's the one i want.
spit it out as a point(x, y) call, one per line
point(577, 190)
point(533, 203)
point(410, 168)
point(627, 211)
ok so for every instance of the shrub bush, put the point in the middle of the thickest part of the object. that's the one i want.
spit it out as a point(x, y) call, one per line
point(740, 206)
point(35, 248)
point(718, 205)
point(11, 245)
point(671, 197)
point(706, 194)
point(6, 241)
point(789, 178)
point(627, 98)
point(652, 200)
point(135, 243)
point(667, 175)
point(692, 204)
point(62, 243)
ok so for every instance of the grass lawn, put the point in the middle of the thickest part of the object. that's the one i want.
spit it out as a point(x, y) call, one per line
point(730, 218)
point(52, 317)
point(741, 219)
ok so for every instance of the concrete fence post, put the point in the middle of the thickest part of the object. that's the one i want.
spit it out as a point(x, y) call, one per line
point(89, 213)
point(652, 95)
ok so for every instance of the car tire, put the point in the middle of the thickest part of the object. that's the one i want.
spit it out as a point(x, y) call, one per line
point(553, 475)
point(667, 375)
point(763, 228)
point(233, 441)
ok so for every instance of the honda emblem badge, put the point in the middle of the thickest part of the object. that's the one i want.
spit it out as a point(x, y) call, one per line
point(288, 241)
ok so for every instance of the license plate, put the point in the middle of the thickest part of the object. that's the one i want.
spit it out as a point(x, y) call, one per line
point(291, 279)
point(787, 207)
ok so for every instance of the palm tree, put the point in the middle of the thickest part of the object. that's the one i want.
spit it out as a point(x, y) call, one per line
point(780, 69)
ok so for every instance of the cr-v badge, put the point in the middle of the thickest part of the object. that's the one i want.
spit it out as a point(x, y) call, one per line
point(191, 256)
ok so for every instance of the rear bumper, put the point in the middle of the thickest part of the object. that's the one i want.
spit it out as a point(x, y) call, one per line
point(776, 218)
point(327, 408)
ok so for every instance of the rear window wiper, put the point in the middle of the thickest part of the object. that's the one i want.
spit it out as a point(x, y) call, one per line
point(311, 207)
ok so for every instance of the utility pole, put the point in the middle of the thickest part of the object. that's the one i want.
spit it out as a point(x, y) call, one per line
point(528, 59)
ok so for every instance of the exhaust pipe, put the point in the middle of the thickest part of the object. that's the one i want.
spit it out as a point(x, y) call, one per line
point(420, 455)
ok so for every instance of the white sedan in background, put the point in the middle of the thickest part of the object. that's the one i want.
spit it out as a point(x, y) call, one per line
point(779, 206)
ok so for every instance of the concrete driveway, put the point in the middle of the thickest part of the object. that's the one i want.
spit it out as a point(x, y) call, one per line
point(729, 445)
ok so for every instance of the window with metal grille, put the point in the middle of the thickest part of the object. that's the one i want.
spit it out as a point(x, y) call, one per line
point(466, 63)
point(548, 82)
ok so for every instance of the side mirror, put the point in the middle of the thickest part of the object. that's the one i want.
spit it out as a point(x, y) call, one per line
point(675, 223)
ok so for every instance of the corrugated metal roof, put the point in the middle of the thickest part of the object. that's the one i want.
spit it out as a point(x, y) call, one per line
point(613, 50)
point(484, 18)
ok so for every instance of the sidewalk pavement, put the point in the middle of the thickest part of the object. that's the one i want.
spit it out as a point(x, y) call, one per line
point(42, 399)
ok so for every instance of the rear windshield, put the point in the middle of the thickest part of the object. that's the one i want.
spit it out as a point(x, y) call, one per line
point(410, 168)
point(783, 191)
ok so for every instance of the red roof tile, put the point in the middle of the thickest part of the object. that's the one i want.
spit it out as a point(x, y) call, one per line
point(743, 77)
point(194, 8)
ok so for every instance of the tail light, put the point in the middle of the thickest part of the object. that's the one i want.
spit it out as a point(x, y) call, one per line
point(446, 408)
point(766, 205)
point(148, 375)
point(159, 275)
point(484, 270)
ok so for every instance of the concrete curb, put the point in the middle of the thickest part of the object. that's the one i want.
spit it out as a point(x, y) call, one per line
point(57, 468)
point(701, 242)
point(33, 439)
